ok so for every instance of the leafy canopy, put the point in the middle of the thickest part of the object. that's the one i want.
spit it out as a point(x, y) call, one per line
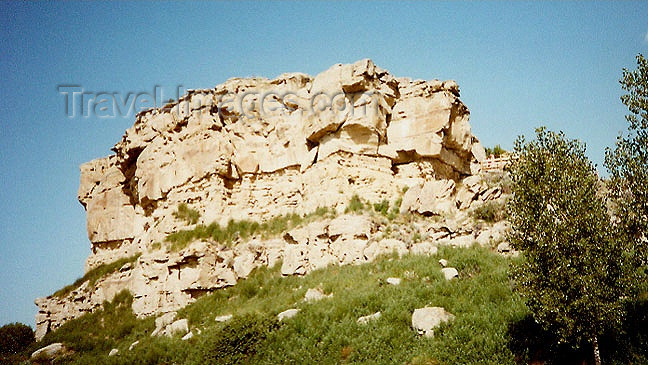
point(15, 337)
point(628, 166)
point(570, 275)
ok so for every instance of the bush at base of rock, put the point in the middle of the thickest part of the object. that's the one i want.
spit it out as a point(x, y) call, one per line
point(492, 211)
point(14, 338)
point(236, 341)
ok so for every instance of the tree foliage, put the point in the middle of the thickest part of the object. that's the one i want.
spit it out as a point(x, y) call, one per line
point(570, 273)
point(496, 151)
point(14, 338)
point(628, 166)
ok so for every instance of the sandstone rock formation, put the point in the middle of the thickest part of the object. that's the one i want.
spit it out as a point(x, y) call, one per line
point(257, 148)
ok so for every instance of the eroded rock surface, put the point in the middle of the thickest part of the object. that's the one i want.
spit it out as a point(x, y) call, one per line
point(255, 149)
point(258, 148)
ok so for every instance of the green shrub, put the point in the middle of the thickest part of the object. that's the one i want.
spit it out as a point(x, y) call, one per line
point(95, 274)
point(492, 211)
point(14, 338)
point(186, 214)
point(382, 207)
point(236, 342)
point(243, 229)
point(395, 210)
point(98, 332)
point(321, 212)
point(501, 179)
point(355, 205)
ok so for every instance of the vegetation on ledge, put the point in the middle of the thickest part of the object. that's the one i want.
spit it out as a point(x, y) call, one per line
point(242, 229)
point(187, 214)
point(95, 274)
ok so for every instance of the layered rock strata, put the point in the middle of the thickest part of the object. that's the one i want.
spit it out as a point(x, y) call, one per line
point(254, 149)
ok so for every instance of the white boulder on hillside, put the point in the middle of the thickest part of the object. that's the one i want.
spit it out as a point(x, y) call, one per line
point(49, 351)
point(287, 314)
point(425, 320)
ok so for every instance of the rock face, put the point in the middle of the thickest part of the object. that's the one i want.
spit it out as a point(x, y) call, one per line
point(255, 149)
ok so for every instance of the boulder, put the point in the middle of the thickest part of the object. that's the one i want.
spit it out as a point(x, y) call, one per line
point(162, 322)
point(113, 352)
point(410, 201)
point(425, 320)
point(393, 281)
point(424, 248)
point(49, 351)
point(223, 318)
point(465, 197)
point(369, 318)
point(449, 273)
point(132, 345)
point(491, 194)
point(384, 247)
point(180, 326)
point(244, 263)
point(287, 314)
point(349, 251)
point(350, 226)
point(504, 247)
point(462, 241)
point(295, 260)
point(313, 295)
point(434, 197)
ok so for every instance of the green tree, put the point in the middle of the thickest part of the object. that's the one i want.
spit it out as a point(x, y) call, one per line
point(628, 166)
point(570, 273)
point(14, 338)
point(496, 151)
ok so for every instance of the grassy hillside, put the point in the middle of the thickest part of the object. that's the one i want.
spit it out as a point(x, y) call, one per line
point(491, 325)
point(325, 331)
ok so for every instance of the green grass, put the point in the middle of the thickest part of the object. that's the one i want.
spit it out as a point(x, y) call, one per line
point(355, 205)
point(187, 214)
point(488, 315)
point(95, 274)
point(242, 229)
point(382, 207)
point(325, 331)
point(93, 335)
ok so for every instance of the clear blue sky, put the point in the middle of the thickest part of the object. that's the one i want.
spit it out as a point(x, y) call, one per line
point(519, 65)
